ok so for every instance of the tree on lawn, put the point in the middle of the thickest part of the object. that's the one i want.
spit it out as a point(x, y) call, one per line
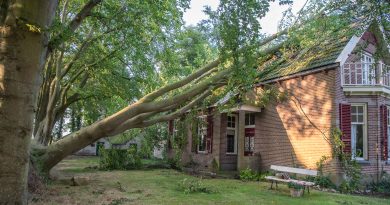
point(135, 40)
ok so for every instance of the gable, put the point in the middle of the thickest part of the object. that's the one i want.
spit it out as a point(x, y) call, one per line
point(334, 51)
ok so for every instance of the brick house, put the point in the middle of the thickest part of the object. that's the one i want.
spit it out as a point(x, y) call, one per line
point(346, 86)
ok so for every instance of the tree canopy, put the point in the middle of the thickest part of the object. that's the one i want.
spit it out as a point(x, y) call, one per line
point(109, 66)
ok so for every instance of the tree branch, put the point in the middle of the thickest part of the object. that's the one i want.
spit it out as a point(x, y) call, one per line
point(73, 24)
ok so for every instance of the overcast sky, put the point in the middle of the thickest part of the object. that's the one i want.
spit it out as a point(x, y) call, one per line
point(269, 23)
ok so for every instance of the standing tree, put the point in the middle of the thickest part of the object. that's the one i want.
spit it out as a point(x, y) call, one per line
point(23, 44)
point(90, 40)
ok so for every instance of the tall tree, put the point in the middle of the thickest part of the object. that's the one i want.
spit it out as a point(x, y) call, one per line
point(23, 40)
point(99, 41)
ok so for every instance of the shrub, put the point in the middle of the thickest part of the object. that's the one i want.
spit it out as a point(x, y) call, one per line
point(175, 162)
point(382, 186)
point(215, 166)
point(351, 168)
point(296, 186)
point(324, 181)
point(119, 159)
point(249, 175)
point(194, 186)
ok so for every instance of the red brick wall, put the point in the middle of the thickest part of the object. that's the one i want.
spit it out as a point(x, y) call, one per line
point(227, 161)
point(289, 133)
point(373, 165)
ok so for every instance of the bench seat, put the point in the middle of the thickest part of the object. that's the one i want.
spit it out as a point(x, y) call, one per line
point(303, 183)
point(284, 169)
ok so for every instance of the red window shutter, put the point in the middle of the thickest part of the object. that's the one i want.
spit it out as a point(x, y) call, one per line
point(345, 126)
point(384, 137)
point(210, 125)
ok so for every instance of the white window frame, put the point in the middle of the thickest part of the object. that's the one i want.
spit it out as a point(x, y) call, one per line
point(202, 130)
point(250, 126)
point(235, 133)
point(364, 123)
point(388, 133)
point(254, 116)
point(370, 70)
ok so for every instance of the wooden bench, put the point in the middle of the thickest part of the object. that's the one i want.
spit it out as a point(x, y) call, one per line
point(282, 169)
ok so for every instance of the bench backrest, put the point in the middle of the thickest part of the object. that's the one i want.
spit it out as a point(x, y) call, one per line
point(294, 170)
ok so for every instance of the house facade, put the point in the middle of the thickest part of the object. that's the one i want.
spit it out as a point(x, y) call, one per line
point(104, 143)
point(350, 90)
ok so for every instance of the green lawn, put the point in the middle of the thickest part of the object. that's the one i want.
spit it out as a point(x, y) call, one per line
point(160, 186)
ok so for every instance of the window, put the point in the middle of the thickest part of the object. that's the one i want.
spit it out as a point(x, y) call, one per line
point(202, 134)
point(249, 144)
point(249, 140)
point(368, 69)
point(231, 121)
point(358, 131)
point(388, 133)
point(249, 119)
point(231, 135)
point(230, 144)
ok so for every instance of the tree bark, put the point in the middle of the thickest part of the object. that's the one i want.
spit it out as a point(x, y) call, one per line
point(141, 113)
point(22, 51)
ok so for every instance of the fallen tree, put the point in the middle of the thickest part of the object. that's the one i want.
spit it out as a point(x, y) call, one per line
point(146, 111)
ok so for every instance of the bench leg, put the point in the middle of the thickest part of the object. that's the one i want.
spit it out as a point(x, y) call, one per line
point(276, 184)
point(272, 183)
point(308, 190)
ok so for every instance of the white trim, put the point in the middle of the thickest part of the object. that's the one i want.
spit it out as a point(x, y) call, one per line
point(249, 108)
point(202, 118)
point(250, 126)
point(235, 134)
point(365, 89)
point(347, 50)
point(365, 133)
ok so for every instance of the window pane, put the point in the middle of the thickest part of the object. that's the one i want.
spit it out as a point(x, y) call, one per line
point(360, 109)
point(359, 141)
point(353, 109)
point(354, 118)
point(252, 143)
point(230, 144)
point(247, 144)
point(360, 118)
point(202, 142)
point(252, 119)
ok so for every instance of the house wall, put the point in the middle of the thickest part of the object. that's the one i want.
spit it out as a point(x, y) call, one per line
point(90, 150)
point(294, 132)
point(227, 161)
point(203, 160)
point(374, 164)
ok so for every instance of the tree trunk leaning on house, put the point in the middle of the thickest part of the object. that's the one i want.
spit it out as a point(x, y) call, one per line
point(145, 112)
point(22, 44)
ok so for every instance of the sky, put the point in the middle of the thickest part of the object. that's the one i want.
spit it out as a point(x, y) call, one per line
point(269, 23)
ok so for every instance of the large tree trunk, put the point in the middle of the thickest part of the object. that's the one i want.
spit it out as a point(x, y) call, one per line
point(143, 113)
point(22, 52)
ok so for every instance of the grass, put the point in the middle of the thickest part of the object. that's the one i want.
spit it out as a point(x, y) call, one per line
point(160, 186)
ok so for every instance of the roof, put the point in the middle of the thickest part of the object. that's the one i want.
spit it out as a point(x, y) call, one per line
point(303, 60)
point(308, 50)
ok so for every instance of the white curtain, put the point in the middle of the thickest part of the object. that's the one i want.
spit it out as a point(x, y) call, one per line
point(353, 139)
